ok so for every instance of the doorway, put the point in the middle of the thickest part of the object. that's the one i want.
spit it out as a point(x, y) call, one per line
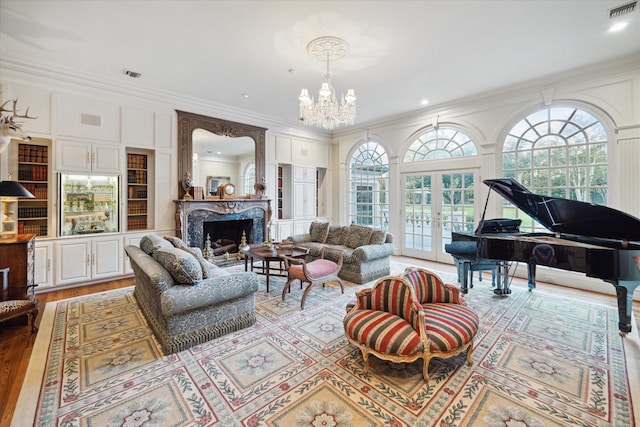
point(435, 205)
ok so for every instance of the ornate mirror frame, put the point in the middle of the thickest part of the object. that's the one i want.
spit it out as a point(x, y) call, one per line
point(188, 122)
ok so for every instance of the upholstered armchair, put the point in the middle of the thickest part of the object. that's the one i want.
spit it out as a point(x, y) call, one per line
point(390, 322)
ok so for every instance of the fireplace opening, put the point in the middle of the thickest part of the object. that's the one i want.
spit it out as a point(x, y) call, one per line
point(226, 236)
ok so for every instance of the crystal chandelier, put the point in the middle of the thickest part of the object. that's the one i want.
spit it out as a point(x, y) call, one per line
point(327, 112)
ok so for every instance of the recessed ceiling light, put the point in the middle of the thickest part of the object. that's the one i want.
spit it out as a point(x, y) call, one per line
point(619, 26)
point(244, 95)
point(424, 101)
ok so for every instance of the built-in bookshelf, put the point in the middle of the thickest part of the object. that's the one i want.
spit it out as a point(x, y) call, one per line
point(138, 183)
point(283, 191)
point(33, 173)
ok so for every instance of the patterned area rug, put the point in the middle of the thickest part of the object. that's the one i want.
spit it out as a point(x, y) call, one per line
point(539, 361)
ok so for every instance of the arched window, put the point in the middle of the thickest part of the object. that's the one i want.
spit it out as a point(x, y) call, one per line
point(249, 178)
point(440, 144)
point(369, 186)
point(558, 152)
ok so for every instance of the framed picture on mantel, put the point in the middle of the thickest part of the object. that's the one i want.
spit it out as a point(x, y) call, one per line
point(213, 182)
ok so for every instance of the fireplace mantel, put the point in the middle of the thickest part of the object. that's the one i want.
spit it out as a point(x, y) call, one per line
point(191, 213)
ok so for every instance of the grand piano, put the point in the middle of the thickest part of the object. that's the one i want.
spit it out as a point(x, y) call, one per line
point(599, 241)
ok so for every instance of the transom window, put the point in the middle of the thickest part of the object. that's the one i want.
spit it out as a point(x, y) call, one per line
point(369, 189)
point(440, 144)
point(558, 152)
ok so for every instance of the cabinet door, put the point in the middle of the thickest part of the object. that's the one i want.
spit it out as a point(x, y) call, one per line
point(106, 257)
point(284, 230)
point(298, 200)
point(73, 156)
point(73, 259)
point(310, 200)
point(106, 159)
point(304, 173)
point(130, 240)
point(43, 259)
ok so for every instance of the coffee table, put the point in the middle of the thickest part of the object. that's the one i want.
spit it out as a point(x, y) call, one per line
point(267, 255)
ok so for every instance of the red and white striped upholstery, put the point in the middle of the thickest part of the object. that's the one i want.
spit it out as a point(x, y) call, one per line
point(430, 288)
point(390, 322)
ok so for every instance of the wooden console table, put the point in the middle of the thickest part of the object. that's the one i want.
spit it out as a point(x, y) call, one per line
point(18, 253)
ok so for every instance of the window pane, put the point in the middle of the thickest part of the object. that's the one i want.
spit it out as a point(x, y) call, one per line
point(598, 153)
point(524, 159)
point(558, 156)
point(558, 177)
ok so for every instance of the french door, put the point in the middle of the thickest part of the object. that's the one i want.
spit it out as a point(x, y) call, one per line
point(435, 205)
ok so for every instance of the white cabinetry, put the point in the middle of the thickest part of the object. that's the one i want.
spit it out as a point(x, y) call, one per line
point(304, 198)
point(43, 267)
point(304, 173)
point(74, 156)
point(304, 205)
point(134, 240)
point(88, 259)
point(284, 229)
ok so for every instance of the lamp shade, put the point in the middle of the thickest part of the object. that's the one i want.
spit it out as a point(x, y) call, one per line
point(14, 189)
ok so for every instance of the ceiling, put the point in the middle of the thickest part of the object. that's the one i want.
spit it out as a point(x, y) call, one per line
point(401, 51)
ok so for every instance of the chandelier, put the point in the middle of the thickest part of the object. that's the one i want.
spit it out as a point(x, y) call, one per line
point(327, 112)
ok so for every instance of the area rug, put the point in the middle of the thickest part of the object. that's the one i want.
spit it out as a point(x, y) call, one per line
point(540, 360)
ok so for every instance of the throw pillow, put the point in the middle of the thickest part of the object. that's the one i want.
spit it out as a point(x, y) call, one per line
point(378, 237)
point(176, 241)
point(152, 242)
point(334, 234)
point(196, 252)
point(358, 236)
point(181, 265)
point(319, 231)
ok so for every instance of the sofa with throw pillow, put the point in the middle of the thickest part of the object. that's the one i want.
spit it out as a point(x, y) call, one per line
point(186, 299)
point(367, 251)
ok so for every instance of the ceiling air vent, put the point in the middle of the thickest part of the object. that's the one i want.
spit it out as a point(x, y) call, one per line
point(132, 74)
point(622, 10)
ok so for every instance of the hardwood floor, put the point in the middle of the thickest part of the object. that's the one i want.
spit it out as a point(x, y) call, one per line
point(16, 342)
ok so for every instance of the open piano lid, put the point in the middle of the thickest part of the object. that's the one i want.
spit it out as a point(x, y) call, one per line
point(569, 216)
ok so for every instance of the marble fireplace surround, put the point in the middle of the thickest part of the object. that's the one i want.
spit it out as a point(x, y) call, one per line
point(192, 214)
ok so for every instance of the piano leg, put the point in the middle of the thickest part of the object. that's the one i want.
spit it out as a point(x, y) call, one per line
point(624, 292)
point(531, 275)
point(464, 276)
point(502, 285)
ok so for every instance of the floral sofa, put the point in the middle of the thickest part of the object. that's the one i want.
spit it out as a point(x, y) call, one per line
point(186, 299)
point(367, 251)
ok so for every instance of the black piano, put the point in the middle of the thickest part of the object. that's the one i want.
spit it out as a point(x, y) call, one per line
point(599, 241)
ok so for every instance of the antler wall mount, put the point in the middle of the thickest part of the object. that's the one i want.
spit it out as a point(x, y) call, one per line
point(9, 128)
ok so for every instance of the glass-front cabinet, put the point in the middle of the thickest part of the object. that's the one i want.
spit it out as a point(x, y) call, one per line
point(88, 204)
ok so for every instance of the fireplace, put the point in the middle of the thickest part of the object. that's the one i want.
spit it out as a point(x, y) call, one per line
point(227, 234)
point(251, 215)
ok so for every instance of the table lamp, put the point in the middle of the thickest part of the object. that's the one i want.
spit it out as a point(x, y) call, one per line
point(10, 191)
